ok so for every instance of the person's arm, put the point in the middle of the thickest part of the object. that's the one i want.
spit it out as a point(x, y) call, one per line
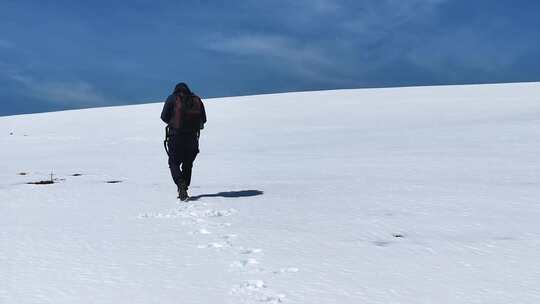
point(203, 115)
point(167, 110)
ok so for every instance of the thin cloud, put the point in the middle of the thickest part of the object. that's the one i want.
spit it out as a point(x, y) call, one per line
point(268, 46)
point(65, 93)
point(364, 35)
point(374, 19)
point(280, 52)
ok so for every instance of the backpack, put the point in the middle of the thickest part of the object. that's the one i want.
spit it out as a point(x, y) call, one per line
point(187, 113)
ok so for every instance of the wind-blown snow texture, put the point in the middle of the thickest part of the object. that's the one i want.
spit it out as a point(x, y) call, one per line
point(410, 195)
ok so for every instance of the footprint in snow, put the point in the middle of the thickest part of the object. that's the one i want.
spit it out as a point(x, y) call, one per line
point(215, 245)
point(286, 270)
point(222, 225)
point(201, 231)
point(256, 290)
point(250, 251)
point(245, 263)
point(218, 213)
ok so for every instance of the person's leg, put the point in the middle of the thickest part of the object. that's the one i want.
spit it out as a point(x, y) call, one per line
point(191, 150)
point(174, 159)
point(187, 167)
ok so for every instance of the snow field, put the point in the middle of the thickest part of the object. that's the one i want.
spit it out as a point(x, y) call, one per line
point(406, 195)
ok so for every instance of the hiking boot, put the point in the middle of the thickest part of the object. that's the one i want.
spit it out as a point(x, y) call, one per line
point(182, 191)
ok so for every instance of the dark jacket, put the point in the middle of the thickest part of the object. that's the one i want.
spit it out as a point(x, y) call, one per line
point(168, 110)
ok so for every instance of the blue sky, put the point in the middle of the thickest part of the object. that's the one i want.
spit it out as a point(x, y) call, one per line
point(71, 54)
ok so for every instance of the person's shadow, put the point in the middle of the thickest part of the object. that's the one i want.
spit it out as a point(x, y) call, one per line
point(228, 194)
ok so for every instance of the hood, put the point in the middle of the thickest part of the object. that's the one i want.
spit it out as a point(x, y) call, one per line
point(183, 89)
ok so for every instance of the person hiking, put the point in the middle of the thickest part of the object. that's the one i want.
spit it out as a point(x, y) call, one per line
point(185, 116)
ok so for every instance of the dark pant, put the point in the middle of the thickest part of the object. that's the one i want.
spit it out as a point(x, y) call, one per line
point(183, 148)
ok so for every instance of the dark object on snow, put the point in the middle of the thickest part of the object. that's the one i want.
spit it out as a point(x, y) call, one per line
point(185, 116)
point(114, 181)
point(76, 174)
point(22, 173)
point(10, 133)
point(45, 182)
point(398, 235)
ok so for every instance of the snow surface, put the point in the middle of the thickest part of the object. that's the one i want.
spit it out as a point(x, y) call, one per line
point(408, 195)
